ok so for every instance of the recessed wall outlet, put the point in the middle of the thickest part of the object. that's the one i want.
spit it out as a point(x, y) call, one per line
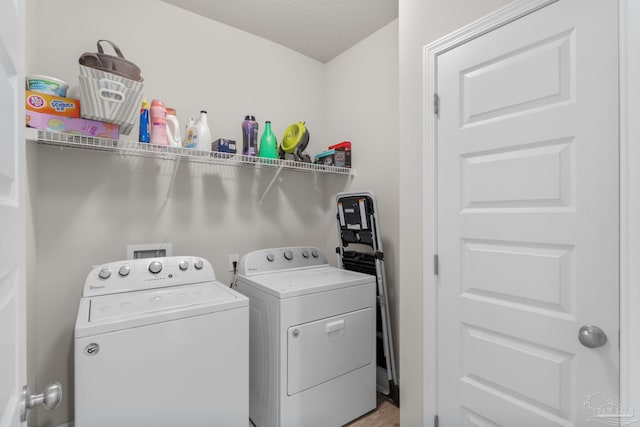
point(233, 258)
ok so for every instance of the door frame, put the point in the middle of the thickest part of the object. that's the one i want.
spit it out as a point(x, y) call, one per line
point(629, 99)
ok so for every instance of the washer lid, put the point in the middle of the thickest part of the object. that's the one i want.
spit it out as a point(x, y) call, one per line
point(107, 313)
point(303, 281)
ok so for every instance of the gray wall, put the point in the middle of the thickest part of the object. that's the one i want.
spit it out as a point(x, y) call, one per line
point(87, 206)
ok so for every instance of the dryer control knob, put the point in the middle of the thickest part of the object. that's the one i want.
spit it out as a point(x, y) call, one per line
point(305, 253)
point(315, 253)
point(155, 267)
point(104, 273)
point(270, 257)
point(288, 255)
point(198, 264)
point(183, 265)
point(124, 271)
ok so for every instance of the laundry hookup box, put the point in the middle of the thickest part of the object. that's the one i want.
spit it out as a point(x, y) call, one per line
point(71, 125)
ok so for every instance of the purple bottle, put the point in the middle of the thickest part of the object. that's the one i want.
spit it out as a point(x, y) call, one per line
point(249, 136)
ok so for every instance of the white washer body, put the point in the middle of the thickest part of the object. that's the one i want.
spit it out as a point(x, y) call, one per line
point(312, 339)
point(168, 348)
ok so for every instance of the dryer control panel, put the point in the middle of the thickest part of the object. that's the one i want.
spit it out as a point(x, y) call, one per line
point(274, 259)
point(147, 273)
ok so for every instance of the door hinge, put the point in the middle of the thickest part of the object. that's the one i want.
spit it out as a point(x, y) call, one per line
point(435, 264)
point(436, 422)
point(436, 105)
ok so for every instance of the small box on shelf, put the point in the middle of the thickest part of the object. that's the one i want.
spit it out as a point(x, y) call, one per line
point(71, 125)
point(222, 145)
point(52, 104)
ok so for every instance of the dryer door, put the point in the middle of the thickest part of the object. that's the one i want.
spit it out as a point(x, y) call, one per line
point(325, 349)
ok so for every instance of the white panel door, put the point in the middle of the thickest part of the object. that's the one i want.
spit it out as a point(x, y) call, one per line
point(527, 220)
point(12, 212)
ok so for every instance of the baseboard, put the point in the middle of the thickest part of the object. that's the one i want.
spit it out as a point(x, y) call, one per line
point(69, 424)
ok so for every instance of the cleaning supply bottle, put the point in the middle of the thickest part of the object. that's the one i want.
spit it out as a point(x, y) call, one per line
point(249, 136)
point(144, 122)
point(173, 129)
point(158, 127)
point(198, 133)
point(190, 134)
point(268, 143)
point(204, 139)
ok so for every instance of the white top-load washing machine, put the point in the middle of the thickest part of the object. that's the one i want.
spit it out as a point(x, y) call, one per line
point(312, 339)
point(159, 342)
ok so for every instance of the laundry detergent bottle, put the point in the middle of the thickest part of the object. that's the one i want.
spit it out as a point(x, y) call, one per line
point(268, 143)
point(158, 123)
point(198, 133)
point(173, 129)
point(249, 136)
point(144, 122)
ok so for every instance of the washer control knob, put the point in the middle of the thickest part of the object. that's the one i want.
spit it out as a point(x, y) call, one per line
point(288, 255)
point(124, 271)
point(198, 264)
point(104, 273)
point(315, 253)
point(155, 267)
point(183, 265)
point(305, 253)
point(270, 257)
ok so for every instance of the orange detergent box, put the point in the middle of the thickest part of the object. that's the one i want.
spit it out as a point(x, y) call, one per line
point(70, 125)
point(51, 104)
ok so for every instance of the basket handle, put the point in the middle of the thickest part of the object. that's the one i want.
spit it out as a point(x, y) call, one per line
point(111, 95)
point(113, 45)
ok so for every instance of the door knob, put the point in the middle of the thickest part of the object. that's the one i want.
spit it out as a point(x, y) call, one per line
point(591, 336)
point(49, 399)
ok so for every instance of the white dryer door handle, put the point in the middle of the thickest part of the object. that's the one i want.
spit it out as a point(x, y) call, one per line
point(335, 326)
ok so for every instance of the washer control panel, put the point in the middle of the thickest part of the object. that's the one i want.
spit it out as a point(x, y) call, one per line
point(147, 273)
point(274, 259)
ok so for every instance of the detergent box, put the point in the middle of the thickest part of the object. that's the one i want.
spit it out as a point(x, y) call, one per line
point(52, 104)
point(224, 145)
point(70, 125)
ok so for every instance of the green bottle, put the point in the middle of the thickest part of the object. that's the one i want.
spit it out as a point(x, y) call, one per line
point(268, 143)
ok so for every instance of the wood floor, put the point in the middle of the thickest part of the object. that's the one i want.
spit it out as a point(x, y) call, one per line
point(385, 415)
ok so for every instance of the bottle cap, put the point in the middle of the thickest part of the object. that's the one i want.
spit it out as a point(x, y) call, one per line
point(171, 111)
point(249, 117)
point(203, 111)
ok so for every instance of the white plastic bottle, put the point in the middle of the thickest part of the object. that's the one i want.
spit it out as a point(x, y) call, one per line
point(198, 133)
point(173, 129)
point(190, 134)
point(204, 137)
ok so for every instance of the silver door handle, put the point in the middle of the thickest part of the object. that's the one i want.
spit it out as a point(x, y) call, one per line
point(49, 399)
point(591, 336)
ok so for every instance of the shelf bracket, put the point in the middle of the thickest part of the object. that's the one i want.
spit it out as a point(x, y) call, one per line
point(173, 179)
point(271, 183)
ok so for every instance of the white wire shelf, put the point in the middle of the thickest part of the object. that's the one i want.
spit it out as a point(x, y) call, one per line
point(135, 148)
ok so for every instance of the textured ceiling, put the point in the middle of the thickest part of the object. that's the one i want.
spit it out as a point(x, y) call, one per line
point(320, 29)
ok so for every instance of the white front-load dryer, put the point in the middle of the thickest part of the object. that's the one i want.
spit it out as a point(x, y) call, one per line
point(312, 339)
point(159, 342)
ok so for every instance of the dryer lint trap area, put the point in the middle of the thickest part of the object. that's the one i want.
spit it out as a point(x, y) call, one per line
point(361, 250)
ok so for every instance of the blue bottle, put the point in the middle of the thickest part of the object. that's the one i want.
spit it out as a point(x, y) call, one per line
point(144, 122)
